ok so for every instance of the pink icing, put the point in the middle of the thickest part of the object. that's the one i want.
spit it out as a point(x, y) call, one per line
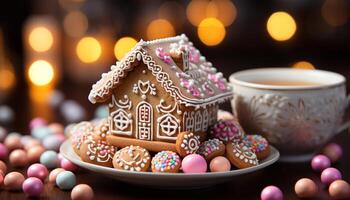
point(165, 57)
point(228, 130)
point(192, 89)
point(219, 82)
point(194, 163)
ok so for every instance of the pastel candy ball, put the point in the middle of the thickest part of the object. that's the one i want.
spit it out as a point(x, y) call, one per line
point(320, 162)
point(36, 122)
point(82, 192)
point(65, 180)
point(329, 175)
point(6, 114)
point(224, 115)
point(3, 134)
point(194, 163)
point(3, 167)
point(54, 173)
point(219, 164)
point(3, 151)
point(56, 128)
point(56, 97)
point(339, 189)
point(38, 170)
point(68, 165)
point(34, 153)
point(101, 112)
point(13, 181)
point(18, 158)
point(305, 188)
point(41, 132)
point(1, 178)
point(33, 187)
point(13, 141)
point(53, 142)
point(32, 143)
point(72, 111)
point(333, 151)
point(49, 159)
point(271, 193)
point(26, 139)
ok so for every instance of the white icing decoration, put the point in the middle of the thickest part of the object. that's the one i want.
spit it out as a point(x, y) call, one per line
point(144, 87)
point(144, 121)
point(121, 119)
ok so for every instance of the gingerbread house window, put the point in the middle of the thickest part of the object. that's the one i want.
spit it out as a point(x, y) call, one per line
point(205, 120)
point(190, 122)
point(198, 121)
point(168, 125)
point(121, 122)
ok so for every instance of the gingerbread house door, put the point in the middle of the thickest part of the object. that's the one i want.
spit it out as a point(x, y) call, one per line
point(144, 121)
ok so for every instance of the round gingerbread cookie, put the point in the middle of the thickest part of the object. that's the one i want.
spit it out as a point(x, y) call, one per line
point(227, 131)
point(101, 130)
point(79, 133)
point(258, 144)
point(98, 152)
point(166, 161)
point(240, 155)
point(211, 149)
point(187, 143)
point(132, 158)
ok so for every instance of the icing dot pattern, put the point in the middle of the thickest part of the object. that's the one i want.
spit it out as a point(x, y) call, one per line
point(81, 132)
point(256, 142)
point(227, 131)
point(165, 161)
point(102, 129)
point(209, 146)
point(244, 153)
point(190, 143)
point(100, 151)
point(132, 158)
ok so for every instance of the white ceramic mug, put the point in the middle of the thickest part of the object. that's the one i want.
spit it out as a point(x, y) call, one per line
point(297, 119)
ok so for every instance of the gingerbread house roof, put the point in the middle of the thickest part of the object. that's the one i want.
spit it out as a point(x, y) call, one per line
point(199, 85)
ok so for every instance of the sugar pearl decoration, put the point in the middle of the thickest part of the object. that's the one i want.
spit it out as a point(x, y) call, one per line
point(194, 163)
point(320, 162)
point(220, 164)
point(49, 159)
point(65, 180)
point(54, 173)
point(305, 188)
point(18, 158)
point(33, 187)
point(38, 170)
point(13, 181)
point(82, 192)
point(339, 189)
point(329, 175)
point(271, 193)
point(333, 151)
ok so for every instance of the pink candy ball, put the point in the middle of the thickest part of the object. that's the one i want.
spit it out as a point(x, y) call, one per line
point(33, 187)
point(320, 162)
point(36, 122)
point(38, 170)
point(271, 193)
point(220, 164)
point(3, 151)
point(330, 175)
point(194, 163)
point(68, 165)
point(333, 151)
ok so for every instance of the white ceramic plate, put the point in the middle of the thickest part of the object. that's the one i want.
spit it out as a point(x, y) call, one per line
point(167, 180)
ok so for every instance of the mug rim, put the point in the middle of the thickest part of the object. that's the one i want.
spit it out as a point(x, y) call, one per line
point(234, 79)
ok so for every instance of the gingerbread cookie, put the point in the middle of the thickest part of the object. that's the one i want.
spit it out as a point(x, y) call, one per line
point(227, 131)
point(211, 149)
point(101, 130)
point(132, 158)
point(98, 152)
point(258, 144)
point(79, 133)
point(187, 143)
point(166, 161)
point(240, 155)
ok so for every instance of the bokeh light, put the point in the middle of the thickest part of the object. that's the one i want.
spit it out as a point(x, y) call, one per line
point(7, 78)
point(211, 31)
point(335, 12)
point(41, 73)
point(40, 39)
point(223, 10)
point(303, 65)
point(281, 26)
point(123, 46)
point(160, 28)
point(89, 49)
point(75, 24)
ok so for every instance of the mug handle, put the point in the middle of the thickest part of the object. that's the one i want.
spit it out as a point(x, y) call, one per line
point(346, 123)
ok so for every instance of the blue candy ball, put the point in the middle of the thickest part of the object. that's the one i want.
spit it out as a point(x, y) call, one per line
point(65, 180)
point(101, 112)
point(41, 132)
point(49, 159)
point(53, 142)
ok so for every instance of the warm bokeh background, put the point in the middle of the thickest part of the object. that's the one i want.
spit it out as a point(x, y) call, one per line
point(64, 45)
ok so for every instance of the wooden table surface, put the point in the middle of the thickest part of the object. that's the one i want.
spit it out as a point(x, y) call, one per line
point(246, 187)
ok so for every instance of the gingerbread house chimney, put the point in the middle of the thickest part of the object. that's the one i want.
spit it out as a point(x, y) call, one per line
point(180, 57)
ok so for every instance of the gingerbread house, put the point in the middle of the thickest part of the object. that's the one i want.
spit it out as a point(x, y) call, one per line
point(159, 89)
